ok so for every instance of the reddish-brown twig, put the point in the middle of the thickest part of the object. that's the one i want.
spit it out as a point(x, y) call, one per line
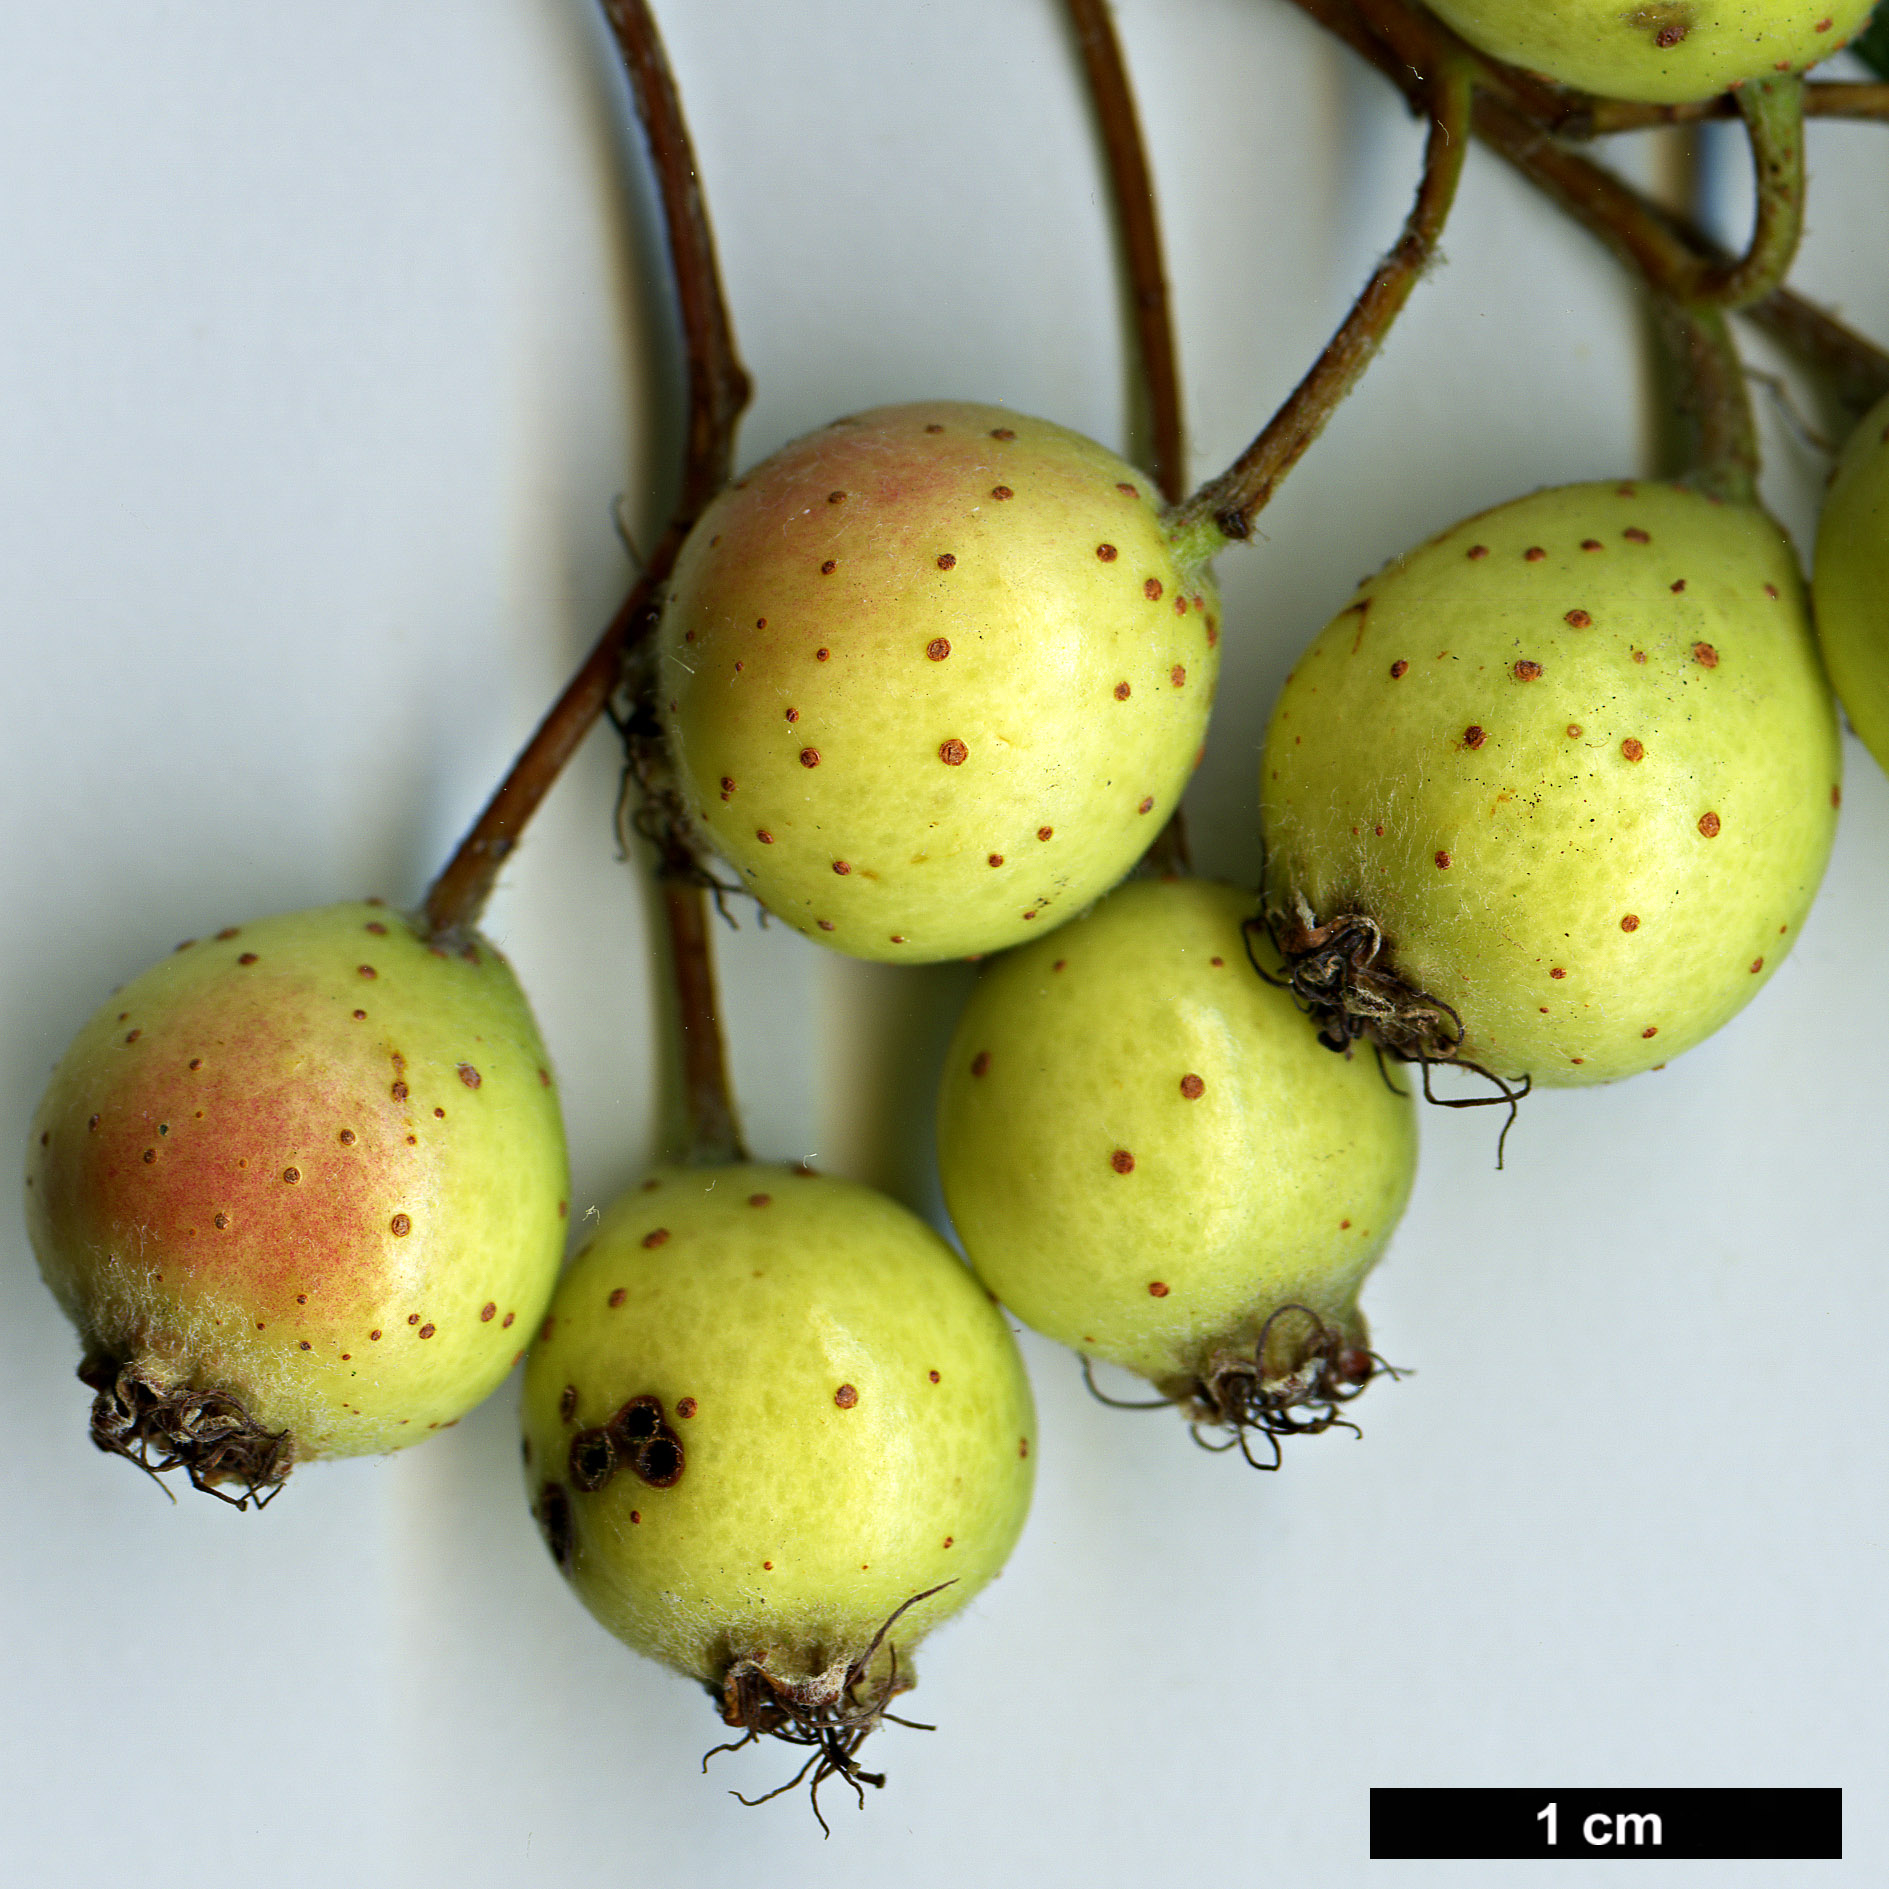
point(717, 392)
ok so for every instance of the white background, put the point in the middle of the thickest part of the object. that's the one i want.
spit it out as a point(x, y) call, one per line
point(328, 337)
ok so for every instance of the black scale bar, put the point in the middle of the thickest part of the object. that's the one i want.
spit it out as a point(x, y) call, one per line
point(1727, 1825)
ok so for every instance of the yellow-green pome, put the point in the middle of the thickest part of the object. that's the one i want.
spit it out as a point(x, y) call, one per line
point(765, 1411)
point(1666, 51)
point(1575, 762)
point(314, 1165)
point(1851, 581)
point(1148, 1153)
point(933, 678)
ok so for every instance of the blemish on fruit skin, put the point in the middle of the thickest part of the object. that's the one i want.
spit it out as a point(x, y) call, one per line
point(439, 1114)
point(505, 1322)
point(222, 1220)
point(1634, 535)
point(829, 567)
point(131, 1036)
point(841, 867)
point(1442, 862)
point(487, 1312)
point(1122, 691)
point(820, 655)
point(1708, 825)
point(1152, 590)
point(1219, 964)
point(764, 836)
point(248, 957)
point(1557, 972)
point(846, 1397)
point(1578, 620)
point(825, 924)
point(953, 752)
point(946, 561)
point(809, 757)
point(469, 1076)
point(1178, 676)
point(760, 1200)
point(1633, 749)
point(1001, 492)
point(1592, 544)
point(1574, 731)
point(938, 649)
point(1526, 671)
point(1045, 832)
point(1157, 1289)
point(374, 1337)
point(1399, 669)
point(1122, 1161)
point(1705, 655)
point(1836, 794)
point(996, 859)
point(1477, 552)
point(360, 1016)
point(1474, 736)
point(1534, 554)
point(1107, 553)
point(1147, 806)
point(366, 970)
point(656, 1236)
point(399, 1092)
point(1652, 1029)
point(1193, 1088)
point(1002, 432)
point(291, 1175)
point(1631, 922)
point(1757, 965)
point(616, 1298)
point(426, 1331)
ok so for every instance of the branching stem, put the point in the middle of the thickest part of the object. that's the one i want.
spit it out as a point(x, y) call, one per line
point(718, 390)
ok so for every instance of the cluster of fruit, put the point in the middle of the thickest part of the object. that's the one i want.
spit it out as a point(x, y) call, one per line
point(1547, 801)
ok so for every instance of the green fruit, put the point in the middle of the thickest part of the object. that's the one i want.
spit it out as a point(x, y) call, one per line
point(302, 1189)
point(1667, 51)
point(933, 679)
point(766, 1412)
point(1149, 1156)
point(1851, 583)
point(1570, 770)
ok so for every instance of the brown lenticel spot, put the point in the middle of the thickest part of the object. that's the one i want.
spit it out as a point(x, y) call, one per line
point(248, 957)
point(841, 867)
point(947, 561)
point(1526, 671)
point(1652, 1029)
point(1193, 1088)
point(399, 1092)
point(1705, 655)
point(426, 1331)
point(1156, 1289)
point(1122, 1161)
point(1152, 590)
point(1478, 551)
point(1474, 736)
point(809, 757)
point(1579, 620)
point(820, 655)
point(846, 1397)
point(131, 1036)
point(996, 859)
point(1045, 832)
point(1107, 553)
point(360, 1016)
point(347, 1137)
point(836, 498)
point(1147, 806)
point(1178, 676)
point(1122, 691)
point(1399, 669)
point(656, 1237)
point(829, 567)
point(1592, 544)
point(1001, 492)
point(487, 1312)
point(1757, 965)
point(1442, 862)
point(413, 1318)
point(616, 1298)
point(1002, 432)
point(1631, 922)
point(1534, 554)
point(1557, 972)
point(1708, 825)
point(291, 1174)
point(938, 649)
point(953, 752)
point(981, 1061)
point(825, 924)
point(1633, 749)
point(1574, 731)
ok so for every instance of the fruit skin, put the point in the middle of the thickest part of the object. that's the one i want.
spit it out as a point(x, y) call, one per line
point(1266, 1171)
point(805, 1513)
point(1851, 583)
point(942, 657)
point(205, 1082)
point(1588, 793)
point(1666, 52)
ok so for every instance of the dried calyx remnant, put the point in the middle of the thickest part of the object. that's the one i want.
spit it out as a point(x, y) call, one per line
point(207, 1434)
point(829, 1716)
point(1340, 973)
point(1301, 1369)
